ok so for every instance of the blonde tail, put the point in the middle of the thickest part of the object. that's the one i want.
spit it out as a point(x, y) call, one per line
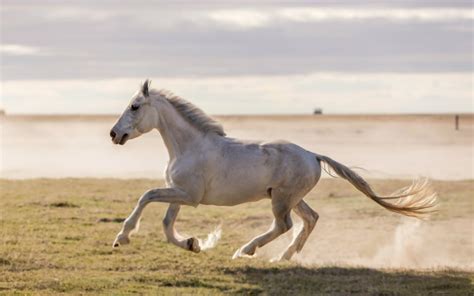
point(417, 200)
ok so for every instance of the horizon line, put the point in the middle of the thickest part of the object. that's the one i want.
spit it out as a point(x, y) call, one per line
point(5, 114)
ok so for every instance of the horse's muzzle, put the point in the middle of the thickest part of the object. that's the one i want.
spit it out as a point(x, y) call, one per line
point(124, 139)
point(115, 139)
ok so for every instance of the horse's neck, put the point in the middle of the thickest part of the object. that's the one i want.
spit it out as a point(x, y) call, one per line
point(178, 135)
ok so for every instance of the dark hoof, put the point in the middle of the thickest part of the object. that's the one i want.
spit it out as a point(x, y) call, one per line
point(193, 245)
point(116, 245)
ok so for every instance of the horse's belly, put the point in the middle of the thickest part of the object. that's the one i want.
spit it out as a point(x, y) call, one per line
point(231, 198)
point(233, 190)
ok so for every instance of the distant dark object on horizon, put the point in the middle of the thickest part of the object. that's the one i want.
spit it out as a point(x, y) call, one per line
point(318, 111)
point(2, 112)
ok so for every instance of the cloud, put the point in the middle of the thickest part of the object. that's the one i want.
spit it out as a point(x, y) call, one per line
point(240, 18)
point(19, 50)
point(97, 40)
point(307, 14)
point(249, 19)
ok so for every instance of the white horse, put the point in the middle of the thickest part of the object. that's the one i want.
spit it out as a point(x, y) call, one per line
point(206, 167)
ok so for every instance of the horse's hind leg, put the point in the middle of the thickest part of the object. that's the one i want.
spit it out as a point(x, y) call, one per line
point(281, 207)
point(191, 244)
point(310, 217)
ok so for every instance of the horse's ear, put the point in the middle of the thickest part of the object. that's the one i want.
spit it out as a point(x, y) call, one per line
point(145, 87)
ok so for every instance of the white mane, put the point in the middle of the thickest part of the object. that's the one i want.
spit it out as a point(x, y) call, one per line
point(191, 113)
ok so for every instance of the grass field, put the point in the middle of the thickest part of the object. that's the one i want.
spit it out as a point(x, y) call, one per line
point(56, 237)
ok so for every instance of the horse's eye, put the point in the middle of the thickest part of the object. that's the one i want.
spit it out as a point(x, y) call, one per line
point(135, 107)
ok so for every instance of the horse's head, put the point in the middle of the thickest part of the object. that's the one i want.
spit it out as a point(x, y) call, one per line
point(138, 118)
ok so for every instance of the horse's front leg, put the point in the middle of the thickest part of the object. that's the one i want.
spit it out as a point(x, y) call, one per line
point(168, 195)
point(191, 244)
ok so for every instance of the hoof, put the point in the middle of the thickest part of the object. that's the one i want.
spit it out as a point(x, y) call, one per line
point(193, 245)
point(243, 253)
point(120, 240)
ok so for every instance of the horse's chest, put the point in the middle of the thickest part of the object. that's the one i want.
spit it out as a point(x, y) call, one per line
point(181, 170)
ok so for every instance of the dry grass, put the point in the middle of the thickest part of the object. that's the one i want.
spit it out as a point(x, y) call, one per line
point(56, 238)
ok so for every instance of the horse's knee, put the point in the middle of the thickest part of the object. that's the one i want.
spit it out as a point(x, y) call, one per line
point(285, 224)
point(315, 216)
point(143, 200)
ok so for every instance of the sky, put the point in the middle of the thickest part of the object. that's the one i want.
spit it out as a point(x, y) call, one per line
point(238, 57)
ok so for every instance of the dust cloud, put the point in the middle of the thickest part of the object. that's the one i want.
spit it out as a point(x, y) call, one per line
point(412, 244)
point(212, 238)
point(388, 146)
point(416, 245)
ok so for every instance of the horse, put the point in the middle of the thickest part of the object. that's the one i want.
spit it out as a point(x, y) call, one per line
point(207, 167)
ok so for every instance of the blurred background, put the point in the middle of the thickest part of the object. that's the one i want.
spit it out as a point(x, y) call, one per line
point(389, 78)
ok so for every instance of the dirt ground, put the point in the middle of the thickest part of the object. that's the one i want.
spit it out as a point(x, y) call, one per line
point(56, 237)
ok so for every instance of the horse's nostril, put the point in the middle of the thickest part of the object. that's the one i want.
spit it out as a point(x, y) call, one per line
point(112, 134)
point(124, 139)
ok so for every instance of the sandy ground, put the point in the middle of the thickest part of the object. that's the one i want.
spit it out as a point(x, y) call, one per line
point(387, 146)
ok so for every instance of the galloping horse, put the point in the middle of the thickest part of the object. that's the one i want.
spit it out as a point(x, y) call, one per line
point(206, 167)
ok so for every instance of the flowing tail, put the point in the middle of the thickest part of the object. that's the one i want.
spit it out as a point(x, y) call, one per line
point(417, 200)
